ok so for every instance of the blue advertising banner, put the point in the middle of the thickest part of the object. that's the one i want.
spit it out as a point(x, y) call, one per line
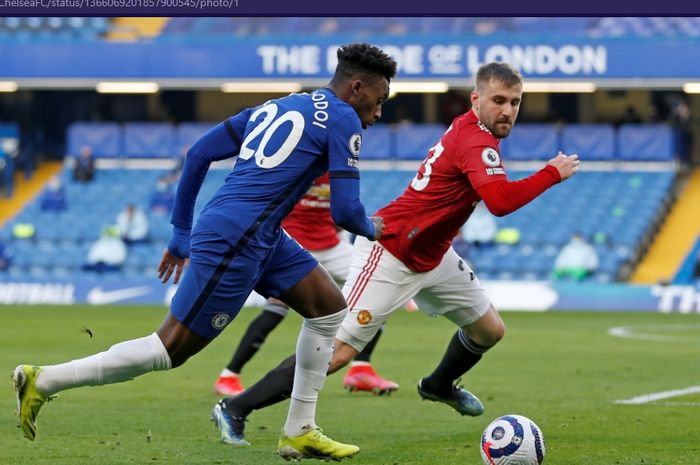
point(430, 57)
point(506, 295)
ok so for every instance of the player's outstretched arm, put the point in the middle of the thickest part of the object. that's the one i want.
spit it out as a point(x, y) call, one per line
point(503, 196)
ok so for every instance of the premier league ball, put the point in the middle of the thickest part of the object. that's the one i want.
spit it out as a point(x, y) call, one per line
point(512, 440)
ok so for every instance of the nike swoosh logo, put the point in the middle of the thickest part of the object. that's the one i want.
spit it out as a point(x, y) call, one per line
point(97, 296)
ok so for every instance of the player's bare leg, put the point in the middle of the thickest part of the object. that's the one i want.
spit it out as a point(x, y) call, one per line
point(463, 352)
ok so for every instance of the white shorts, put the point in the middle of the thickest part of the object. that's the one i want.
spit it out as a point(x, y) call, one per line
point(336, 260)
point(379, 283)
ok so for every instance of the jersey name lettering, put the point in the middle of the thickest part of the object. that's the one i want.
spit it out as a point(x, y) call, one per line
point(320, 104)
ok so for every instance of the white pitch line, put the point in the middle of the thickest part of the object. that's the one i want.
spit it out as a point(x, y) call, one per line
point(658, 396)
point(647, 332)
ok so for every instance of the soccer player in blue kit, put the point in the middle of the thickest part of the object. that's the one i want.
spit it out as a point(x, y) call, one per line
point(237, 245)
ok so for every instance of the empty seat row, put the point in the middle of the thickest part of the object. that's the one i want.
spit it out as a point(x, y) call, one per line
point(137, 140)
point(527, 141)
point(629, 142)
point(615, 208)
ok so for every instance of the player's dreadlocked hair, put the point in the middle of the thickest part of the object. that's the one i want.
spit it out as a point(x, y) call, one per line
point(364, 58)
point(502, 72)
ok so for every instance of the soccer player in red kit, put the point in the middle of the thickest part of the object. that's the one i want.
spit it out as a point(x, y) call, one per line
point(414, 256)
point(311, 224)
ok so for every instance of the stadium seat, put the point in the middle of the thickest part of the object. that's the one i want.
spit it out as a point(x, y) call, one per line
point(149, 140)
point(645, 142)
point(378, 143)
point(188, 133)
point(414, 140)
point(105, 139)
point(620, 206)
point(589, 141)
point(531, 141)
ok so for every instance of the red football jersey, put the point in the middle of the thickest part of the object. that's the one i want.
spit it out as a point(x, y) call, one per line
point(310, 223)
point(421, 224)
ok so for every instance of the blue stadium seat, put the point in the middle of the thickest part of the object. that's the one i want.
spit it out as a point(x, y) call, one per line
point(378, 143)
point(105, 139)
point(621, 205)
point(188, 133)
point(531, 141)
point(645, 142)
point(414, 140)
point(149, 140)
point(589, 141)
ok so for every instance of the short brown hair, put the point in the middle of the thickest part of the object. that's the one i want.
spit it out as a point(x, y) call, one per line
point(499, 71)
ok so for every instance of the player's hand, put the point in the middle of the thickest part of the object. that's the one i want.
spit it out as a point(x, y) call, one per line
point(169, 264)
point(567, 165)
point(378, 226)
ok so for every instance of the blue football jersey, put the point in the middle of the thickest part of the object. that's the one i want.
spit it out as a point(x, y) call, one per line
point(281, 147)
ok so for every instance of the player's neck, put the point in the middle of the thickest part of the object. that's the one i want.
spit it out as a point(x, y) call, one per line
point(334, 89)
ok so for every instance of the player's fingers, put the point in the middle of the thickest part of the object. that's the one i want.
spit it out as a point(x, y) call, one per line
point(168, 273)
point(162, 265)
point(178, 272)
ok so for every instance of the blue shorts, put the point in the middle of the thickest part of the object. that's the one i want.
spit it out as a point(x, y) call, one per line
point(220, 278)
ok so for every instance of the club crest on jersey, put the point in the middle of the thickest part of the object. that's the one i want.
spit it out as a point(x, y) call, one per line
point(220, 321)
point(355, 143)
point(364, 317)
point(320, 192)
point(490, 157)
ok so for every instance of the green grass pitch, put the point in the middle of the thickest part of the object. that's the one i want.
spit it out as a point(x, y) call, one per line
point(563, 370)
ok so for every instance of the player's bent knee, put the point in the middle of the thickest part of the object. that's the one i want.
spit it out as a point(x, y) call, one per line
point(317, 295)
point(179, 341)
point(488, 335)
point(326, 325)
point(491, 329)
point(497, 333)
point(332, 304)
point(492, 334)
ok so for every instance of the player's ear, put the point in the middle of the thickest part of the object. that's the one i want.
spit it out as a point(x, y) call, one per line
point(475, 99)
point(356, 87)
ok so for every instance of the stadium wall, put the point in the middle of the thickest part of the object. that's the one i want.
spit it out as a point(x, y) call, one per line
point(506, 295)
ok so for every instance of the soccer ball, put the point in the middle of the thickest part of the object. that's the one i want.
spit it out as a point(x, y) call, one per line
point(512, 440)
